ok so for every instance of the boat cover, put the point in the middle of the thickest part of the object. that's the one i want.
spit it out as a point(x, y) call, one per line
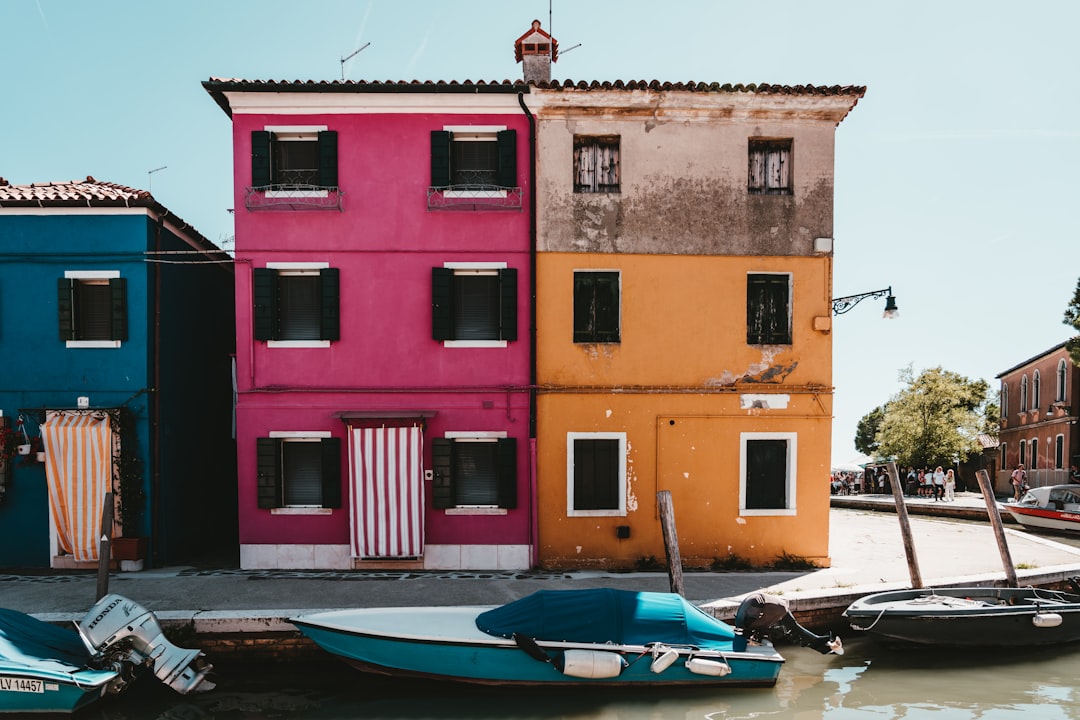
point(606, 615)
point(25, 640)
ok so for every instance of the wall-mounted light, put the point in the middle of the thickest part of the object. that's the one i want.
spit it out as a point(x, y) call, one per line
point(841, 305)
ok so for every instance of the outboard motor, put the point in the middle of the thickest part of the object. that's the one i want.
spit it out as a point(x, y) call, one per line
point(758, 613)
point(122, 634)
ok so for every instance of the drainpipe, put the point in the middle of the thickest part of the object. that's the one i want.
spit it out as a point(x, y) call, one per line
point(155, 406)
point(534, 517)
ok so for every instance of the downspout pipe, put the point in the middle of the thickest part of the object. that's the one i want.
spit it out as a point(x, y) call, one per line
point(534, 519)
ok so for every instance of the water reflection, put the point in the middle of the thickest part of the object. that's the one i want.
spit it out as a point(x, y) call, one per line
point(869, 681)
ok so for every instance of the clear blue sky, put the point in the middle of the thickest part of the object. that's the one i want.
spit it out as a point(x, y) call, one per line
point(957, 175)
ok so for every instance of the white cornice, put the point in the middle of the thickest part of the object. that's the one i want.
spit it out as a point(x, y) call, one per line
point(250, 103)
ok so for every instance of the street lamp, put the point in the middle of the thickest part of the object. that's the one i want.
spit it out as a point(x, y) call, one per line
point(841, 305)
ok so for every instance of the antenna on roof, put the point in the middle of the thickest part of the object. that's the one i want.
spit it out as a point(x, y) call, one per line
point(150, 178)
point(350, 56)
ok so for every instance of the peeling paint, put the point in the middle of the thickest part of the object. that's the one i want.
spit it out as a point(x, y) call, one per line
point(607, 413)
point(740, 520)
point(764, 402)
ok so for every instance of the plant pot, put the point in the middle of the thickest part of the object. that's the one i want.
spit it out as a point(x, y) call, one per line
point(41, 457)
point(24, 449)
point(129, 548)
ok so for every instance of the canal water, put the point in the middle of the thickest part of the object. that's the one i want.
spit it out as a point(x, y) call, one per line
point(868, 682)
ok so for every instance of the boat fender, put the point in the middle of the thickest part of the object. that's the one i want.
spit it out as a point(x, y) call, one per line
point(701, 666)
point(663, 658)
point(592, 664)
point(1046, 620)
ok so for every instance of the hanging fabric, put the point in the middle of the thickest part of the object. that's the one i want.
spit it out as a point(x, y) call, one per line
point(78, 469)
point(387, 499)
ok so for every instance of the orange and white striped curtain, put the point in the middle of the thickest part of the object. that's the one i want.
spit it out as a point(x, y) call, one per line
point(78, 468)
point(387, 474)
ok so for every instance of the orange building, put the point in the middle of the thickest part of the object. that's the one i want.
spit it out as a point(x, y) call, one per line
point(683, 318)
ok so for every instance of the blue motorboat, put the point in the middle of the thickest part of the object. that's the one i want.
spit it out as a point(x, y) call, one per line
point(49, 669)
point(600, 637)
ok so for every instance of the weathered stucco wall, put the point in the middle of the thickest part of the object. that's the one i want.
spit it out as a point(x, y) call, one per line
point(684, 172)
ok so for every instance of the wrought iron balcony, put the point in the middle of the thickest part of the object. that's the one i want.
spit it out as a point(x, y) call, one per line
point(293, 197)
point(473, 197)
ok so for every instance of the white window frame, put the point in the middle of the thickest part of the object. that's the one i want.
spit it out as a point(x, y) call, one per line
point(287, 133)
point(571, 511)
point(95, 275)
point(478, 436)
point(478, 268)
point(297, 268)
point(301, 436)
point(792, 465)
point(473, 133)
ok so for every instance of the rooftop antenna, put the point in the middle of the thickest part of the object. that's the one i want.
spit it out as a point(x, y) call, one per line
point(350, 56)
point(150, 178)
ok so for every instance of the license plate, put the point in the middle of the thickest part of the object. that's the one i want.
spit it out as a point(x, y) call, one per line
point(27, 685)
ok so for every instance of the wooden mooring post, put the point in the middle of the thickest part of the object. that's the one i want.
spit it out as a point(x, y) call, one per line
point(995, 522)
point(905, 527)
point(671, 542)
point(104, 547)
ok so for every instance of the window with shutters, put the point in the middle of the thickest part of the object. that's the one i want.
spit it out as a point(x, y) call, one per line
point(294, 167)
point(474, 471)
point(298, 470)
point(767, 469)
point(595, 474)
point(474, 305)
point(769, 170)
point(596, 306)
point(296, 304)
point(768, 309)
point(92, 308)
point(473, 167)
point(596, 164)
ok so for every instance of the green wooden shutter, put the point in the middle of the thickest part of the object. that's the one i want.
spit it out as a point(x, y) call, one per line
point(507, 172)
point(328, 159)
point(331, 472)
point(268, 472)
point(508, 316)
point(768, 310)
point(118, 304)
point(584, 295)
point(330, 287)
point(440, 158)
point(766, 474)
point(264, 310)
point(506, 466)
point(260, 158)
point(66, 305)
point(442, 488)
point(442, 303)
point(607, 306)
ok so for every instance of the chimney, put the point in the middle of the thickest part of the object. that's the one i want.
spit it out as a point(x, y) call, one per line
point(536, 50)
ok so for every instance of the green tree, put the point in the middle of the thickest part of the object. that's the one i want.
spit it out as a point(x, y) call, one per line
point(1072, 318)
point(866, 431)
point(935, 420)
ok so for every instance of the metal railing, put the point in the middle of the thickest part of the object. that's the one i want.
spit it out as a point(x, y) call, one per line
point(293, 197)
point(473, 197)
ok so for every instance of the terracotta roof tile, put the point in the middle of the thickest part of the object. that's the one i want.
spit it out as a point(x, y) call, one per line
point(93, 193)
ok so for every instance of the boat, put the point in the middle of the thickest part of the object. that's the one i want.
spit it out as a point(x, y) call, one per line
point(1052, 507)
point(969, 617)
point(555, 638)
point(50, 669)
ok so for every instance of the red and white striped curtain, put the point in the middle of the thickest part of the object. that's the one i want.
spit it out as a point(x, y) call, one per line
point(78, 470)
point(387, 503)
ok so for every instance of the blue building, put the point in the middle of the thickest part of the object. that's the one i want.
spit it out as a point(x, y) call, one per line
point(117, 339)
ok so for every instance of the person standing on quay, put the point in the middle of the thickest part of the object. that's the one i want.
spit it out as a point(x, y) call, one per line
point(950, 485)
point(939, 483)
point(1019, 480)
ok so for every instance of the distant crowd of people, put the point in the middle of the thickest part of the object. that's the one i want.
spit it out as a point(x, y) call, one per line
point(938, 484)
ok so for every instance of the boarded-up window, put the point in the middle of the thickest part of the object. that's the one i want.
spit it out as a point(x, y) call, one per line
point(768, 309)
point(596, 164)
point(596, 474)
point(769, 170)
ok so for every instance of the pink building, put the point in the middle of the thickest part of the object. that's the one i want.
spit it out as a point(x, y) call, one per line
point(383, 284)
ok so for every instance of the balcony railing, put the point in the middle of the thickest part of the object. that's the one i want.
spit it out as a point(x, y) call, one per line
point(293, 197)
point(473, 197)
